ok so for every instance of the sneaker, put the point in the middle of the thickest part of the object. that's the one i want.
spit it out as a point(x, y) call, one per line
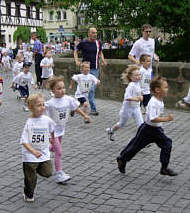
point(27, 199)
point(95, 113)
point(61, 177)
point(110, 134)
point(168, 172)
point(121, 165)
point(72, 113)
point(25, 108)
point(86, 121)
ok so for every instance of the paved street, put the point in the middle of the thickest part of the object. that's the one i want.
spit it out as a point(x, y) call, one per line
point(89, 157)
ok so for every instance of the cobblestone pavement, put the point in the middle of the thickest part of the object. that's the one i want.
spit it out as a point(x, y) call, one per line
point(89, 157)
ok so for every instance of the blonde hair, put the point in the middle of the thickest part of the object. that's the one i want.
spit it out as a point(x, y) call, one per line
point(85, 62)
point(144, 57)
point(126, 75)
point(32, 99)
point(53, 81)
point(18, 57)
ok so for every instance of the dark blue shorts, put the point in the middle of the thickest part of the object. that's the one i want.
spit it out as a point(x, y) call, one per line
point(146, 99)
point(82, 100)
point(24, 91)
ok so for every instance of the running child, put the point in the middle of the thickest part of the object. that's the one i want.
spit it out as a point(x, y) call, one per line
point(37, 133)
point(151, 130)
point(28, 55)
point(146, 73)
point(58, 108)
point(131, 102)
point(84, 83)
point(23, 80)
point(6, 61)
point(47, 68)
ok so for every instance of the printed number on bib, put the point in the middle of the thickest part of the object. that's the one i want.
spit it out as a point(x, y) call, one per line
point(85, 86)
point(39, 137)
point(60, 116)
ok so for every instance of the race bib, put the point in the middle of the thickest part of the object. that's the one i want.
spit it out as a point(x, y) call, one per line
point(60, 115)
point(39, 138)
point(85, 86)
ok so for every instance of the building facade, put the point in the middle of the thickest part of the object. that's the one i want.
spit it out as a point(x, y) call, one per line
point(16, 13)
point(58, 23)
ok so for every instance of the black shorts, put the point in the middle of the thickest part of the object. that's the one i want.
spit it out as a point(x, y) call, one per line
point(82, 100)
point(24, 91)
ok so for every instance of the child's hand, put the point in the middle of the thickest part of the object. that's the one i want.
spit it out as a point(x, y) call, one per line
point(70, 87)
point(37, 153)
point(170, 117)
point(35, 86)
point(88, 118)
point(141, 98)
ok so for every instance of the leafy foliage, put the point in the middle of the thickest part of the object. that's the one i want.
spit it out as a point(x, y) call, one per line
point(22, 33)
point(41, 33)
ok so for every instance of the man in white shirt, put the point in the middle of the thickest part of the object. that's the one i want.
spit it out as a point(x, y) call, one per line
point(144, 45)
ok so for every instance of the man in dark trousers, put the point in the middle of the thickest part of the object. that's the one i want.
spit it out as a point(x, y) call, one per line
point(38, 50)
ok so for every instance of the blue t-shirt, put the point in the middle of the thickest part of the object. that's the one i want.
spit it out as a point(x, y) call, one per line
point(38, 46)
point(90, 52)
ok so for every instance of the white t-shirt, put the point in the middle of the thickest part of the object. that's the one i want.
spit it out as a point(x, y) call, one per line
point(85, 83)
point(6, 60)
point(28, 56)
point(58, 109)
point(145, 80)
point(37, 133)
point(133, 90)
point(142, 46)
point(17, 68)
point(4, 49)
point(23, 79)
point(47, 71)
point(154, 109)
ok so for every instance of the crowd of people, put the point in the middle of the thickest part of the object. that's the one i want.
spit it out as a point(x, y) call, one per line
point(45, 127)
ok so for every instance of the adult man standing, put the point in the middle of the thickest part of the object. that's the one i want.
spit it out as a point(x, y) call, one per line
point(144, 45)
point(38, 50)
point(91, 50)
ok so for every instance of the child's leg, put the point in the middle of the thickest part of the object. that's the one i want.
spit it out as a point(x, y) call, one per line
point(136, 144)
point(57, 148)
point(45, 169)
point(85, 107)
point(138, 116)
point(122, 121)
point(165, 144)
point(30, 178)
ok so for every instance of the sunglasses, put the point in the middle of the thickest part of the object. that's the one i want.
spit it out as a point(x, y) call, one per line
point(148, 31)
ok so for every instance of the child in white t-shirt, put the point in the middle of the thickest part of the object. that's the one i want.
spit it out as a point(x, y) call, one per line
point(146, 74)
point(28, 55)
point(38, 131)
point(23, 80)
point(6, 61)
point(84, 84)
point(47, 68)
point(132, 99)
point(151, 131)
point(58, 108)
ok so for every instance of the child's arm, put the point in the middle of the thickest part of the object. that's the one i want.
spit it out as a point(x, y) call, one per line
point(84, 115)
point(32, 150)
point(170, 117)
point(71, 84)
point(140, 98)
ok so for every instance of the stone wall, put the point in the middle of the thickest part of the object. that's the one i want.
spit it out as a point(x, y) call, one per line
point(112, 87)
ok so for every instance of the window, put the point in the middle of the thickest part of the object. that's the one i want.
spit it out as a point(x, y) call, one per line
point(28, 12)
point(58, 15)
point(10, 39)
point(8, 9)
point(17, 10)
point(50, 16)
point(64, 15)
point(37, 14)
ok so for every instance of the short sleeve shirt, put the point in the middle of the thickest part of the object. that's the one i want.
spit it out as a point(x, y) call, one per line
point(46, 71)
point(37, 133)
point(84, 84)
point(58, 110)
point(23, 79)
point(145, 80)
point(90, 52)
point(155, 108)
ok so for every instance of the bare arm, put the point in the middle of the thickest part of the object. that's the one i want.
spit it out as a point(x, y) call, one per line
point(103, 59)
point(170, 117)
point(140, 98)
point(71, 84)
point(32, 150)
point(83, 114)
point(76, 58)
point(133, 59)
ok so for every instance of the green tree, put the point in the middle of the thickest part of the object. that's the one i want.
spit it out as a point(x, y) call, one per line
point(22, 33)
point(41, 33)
